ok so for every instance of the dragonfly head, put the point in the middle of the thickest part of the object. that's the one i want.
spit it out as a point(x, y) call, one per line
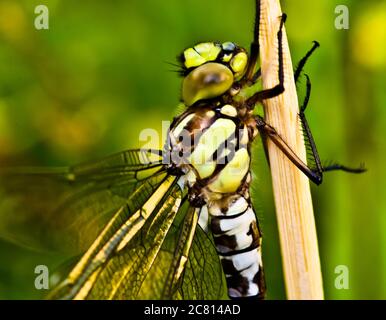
point(210, 69)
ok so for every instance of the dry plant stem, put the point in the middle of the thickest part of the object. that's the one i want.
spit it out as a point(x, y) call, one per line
point(291, 187)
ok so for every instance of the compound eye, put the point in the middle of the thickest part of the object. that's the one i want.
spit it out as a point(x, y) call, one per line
point(239, 64)
point(205, 82)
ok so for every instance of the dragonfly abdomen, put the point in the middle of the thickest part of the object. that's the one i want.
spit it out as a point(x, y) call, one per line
point(238, 242)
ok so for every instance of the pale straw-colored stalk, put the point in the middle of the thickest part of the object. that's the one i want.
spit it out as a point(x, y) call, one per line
point(294, 210)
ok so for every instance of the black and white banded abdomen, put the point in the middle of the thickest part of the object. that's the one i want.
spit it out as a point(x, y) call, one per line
point(238, 242)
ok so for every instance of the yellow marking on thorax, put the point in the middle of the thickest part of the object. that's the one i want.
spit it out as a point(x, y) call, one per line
point(178, 130)
point(210, 113)
point(229, 110)
point(191, 178)
point(230, 178)
point(244, 136)
point(211, 139)
point(225, 152)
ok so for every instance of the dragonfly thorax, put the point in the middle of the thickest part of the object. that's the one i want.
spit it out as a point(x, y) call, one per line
point(210, 144)
point(211, 69)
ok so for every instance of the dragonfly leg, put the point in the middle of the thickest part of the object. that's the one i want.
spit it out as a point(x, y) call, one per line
point(307, 96)
point(314, 174)
point(251, 76)
point(268, 131)
point(303, 61)
point(256, 76)
point(252, 80)
point(279, 88)
point(311, 142)
point(255, 49)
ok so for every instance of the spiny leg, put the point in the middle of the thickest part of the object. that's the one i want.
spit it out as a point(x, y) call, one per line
point(250, 75)
point(298, 70)
point(279, 88)
point(314, 174)
point(270, 132)
point(249, 82)
point(255, 77)
point(309, 139)
point(303, 61)
point(311, 142)
point(307, 96)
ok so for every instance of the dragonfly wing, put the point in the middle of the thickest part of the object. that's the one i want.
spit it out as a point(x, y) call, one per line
point(203, 277)
point(187, 266)
point(139, 268)
point(65, 209)
point(126, 211)
point(118, 261)
point(181, 253)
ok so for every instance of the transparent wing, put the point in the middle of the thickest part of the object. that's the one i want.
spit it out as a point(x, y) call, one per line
point(136, 265)
point(125, 211)
point(181, 253)
point(203, 277)
point(64, 209)
point(199, 277)
point(119, 259)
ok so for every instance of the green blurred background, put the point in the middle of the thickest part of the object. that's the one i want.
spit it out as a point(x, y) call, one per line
point(90, 84)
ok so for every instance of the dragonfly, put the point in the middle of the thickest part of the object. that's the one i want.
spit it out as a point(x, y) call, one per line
point(176, 223)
